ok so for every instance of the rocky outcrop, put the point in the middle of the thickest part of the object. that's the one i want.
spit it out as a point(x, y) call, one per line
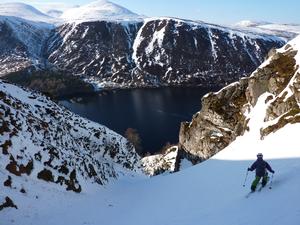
point(223, 116)
point(219, 122)
point(161, 163)
point(8, 203)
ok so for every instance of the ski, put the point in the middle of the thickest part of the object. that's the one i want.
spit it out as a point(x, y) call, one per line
point(248, 195)
point(260, 188)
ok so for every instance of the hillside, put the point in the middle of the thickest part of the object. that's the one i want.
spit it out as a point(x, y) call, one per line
point(42, 142)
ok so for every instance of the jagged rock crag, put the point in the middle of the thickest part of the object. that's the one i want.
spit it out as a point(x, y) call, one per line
point(223, 114)
point(219, 122)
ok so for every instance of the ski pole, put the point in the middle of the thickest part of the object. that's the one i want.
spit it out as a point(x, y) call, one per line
point(271, 181)
point(245, 178)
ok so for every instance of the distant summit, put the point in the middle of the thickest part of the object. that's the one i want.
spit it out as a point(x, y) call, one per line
point(100, 10)
point(249, 23)
point(24, 11)
point(289, 31)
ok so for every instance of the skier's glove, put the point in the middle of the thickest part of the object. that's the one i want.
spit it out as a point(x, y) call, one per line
point(249, 169)
point(273, 172)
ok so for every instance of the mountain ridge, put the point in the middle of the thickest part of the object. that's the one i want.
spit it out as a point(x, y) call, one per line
point(138, 53)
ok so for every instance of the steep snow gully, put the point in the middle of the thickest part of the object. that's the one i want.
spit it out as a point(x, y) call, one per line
point(209, 193)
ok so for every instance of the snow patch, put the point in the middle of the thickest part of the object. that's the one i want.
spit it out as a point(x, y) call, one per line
point(100, 10)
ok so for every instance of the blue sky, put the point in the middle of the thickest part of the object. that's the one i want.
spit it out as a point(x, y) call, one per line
point(215, 11)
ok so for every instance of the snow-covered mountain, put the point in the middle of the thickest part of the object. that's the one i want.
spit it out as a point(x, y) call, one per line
point(24, 11)
point(288, 31)
point(157, 52)
point(110, 46)
point(23, 32)
point(41, 141)
point(100, 10)
point(211, 192)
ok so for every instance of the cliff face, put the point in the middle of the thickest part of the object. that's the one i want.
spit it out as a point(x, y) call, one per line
point(179, 52)
point(158, 52)
point(97, 50)
point(223, 116)
point(21, 44)
point(219, 122)
point(150, 53)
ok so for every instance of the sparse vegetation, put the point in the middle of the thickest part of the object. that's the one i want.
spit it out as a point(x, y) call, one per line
point(134, 138)
point(51, 83)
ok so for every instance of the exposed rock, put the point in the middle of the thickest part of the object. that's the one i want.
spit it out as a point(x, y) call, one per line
point(161, 163)
point(8, 203)
point(46, 175)
point(8, 182)
point(219, 122)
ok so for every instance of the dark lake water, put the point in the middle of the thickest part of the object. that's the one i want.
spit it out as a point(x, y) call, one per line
point(156, 114)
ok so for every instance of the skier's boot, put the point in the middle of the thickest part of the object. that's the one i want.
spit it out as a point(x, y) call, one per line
point(253, 188)
point(265, 180)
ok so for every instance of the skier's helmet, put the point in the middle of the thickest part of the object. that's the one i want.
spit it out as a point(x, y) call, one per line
point(259, 155)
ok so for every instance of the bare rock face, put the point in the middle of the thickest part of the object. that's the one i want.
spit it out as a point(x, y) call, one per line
point(219, 122)
point(223, 114)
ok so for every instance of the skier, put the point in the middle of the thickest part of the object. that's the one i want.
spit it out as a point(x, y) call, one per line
point(260, 167)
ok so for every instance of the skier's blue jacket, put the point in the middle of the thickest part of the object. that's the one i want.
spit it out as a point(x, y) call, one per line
point(260, 166)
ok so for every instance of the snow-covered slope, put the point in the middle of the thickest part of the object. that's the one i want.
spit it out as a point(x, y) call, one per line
point(23, 31)
point(41, 141)
point(100, 10)
point(288, 31)
point(209, 193)
point(24, 11)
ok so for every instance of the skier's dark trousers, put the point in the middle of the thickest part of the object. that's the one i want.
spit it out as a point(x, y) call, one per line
point(260, 166)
